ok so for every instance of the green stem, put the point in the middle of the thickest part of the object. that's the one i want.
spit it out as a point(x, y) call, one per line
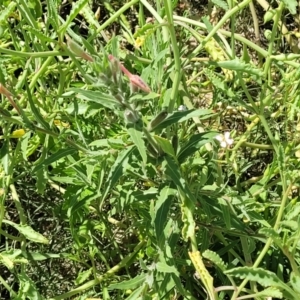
point(31, 54)
point(115, 16)
point(257, 146)
point(272, 40)
point(177, 77)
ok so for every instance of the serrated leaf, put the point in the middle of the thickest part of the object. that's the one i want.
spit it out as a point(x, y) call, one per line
point(295, 282)
point(290, 224)
point(164, 268)
point(268, 293)
point(291, 5)
point(38, 34)
point(103, 99)
point(165, 145)
point(83, 276)
point(28, 232)
point(53, 158)
point(137, 137)
point(293, 212)
point(162, 206)
point(204, 275)
point(194, 144)
point(226, 212)
point(35, 111)
point(187, 198)
point(136, 294)
point(117, 170)
point(6, 12)
point(27, 288)
point(36, 6)
point(181, 116)
point(5, 156)
point(271, 233)
point(237, 65)
point(77, 7)
point(221, 3)
point(6, 260)
point(215, 258)
point(53, 15)
point(129, 284)
point(263, 277)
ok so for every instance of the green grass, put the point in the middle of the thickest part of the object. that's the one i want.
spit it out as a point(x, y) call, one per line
point(110, 192)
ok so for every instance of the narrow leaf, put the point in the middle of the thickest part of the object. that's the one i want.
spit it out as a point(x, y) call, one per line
point(129, 284)
point(53, 158)
point(194, 144)
point(162, 207)
point(165, 145)
point(271, 233)
point(53, 15)
point(215, 258)
point(295, 282)
point(6, 12)
point(226, 212)
point(164, 268)
point(221, 3)
point(103, 99)
point(291, 5)
point(35, 111)
point(117, 170)
point(77, 7)
point(28, 232)
point(237, 65)
point(137, 137)
point(263, 277)
point(181, 116)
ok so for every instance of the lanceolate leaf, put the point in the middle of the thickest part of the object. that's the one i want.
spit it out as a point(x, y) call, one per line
point(226, 212)
point(164, 268)
point(77, 7)
point(35, 110)
point(162, 207)
point(117, 170)
point(271, 233)
point(215, 258)
point(221, 3)
point(165, 145)
point(137, 137)
point(295, 282)
point(54, 157)
point(173, 171)
point(238, 65)
point(194, 144)
point(181, 116)
point(129, 284)
point(105, 100)
point(6, 12)
point(291, 5)
point(187, 198)
point(261, 276)
point(28, 232)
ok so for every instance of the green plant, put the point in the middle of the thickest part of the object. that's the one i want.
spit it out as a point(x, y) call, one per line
point(148, 204)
